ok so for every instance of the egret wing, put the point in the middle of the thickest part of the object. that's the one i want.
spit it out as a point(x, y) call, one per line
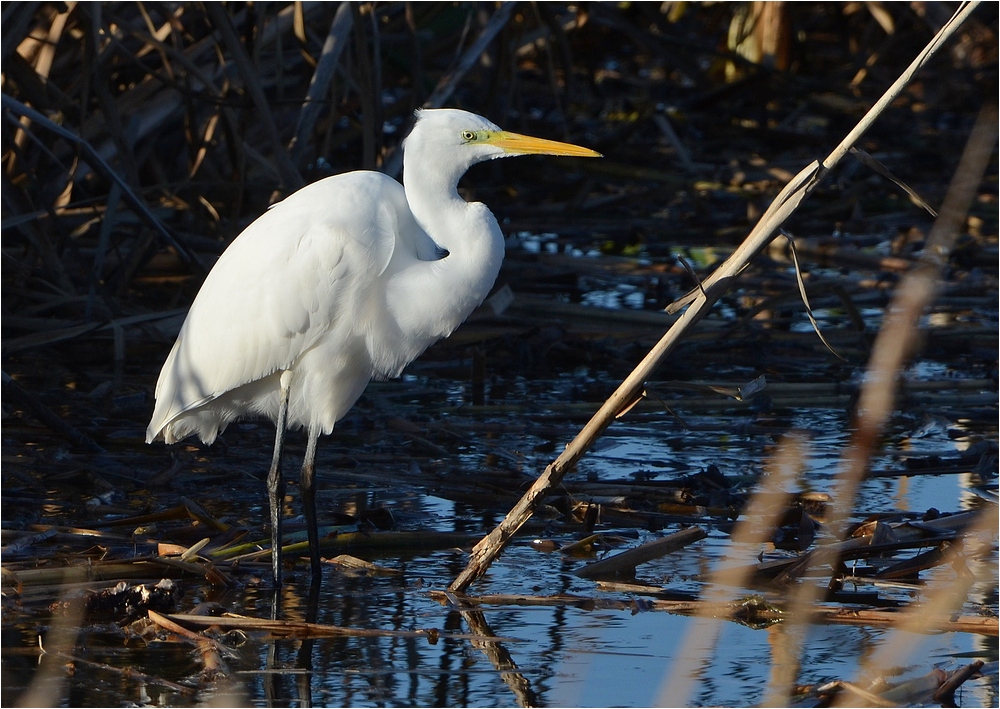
point(288, 279)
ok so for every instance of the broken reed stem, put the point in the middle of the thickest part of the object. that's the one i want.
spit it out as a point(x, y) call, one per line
point(957, 20)
point(759, 238)
point(946, 690)
point(624, 564)
point(787, 201)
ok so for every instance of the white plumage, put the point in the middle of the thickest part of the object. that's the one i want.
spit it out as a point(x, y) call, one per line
point(346, 280)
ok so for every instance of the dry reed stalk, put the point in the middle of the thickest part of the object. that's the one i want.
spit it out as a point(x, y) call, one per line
point(701, 300)
point(898, 336)
point(756, 528)
point(895, 343)
point(223, 24)
point(303, 629)
point(893, 346)
point(752, 609)
point(319, 85)
point(53, 692)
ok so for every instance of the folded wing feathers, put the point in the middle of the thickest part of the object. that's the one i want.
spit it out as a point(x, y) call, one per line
point(273, 293)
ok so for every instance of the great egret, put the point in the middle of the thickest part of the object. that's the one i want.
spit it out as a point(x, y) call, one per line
point(348, 279)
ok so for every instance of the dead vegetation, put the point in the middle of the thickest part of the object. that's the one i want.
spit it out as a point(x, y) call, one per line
point(140, 138)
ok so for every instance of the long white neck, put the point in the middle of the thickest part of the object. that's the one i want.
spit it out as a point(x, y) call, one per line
point(446, 291)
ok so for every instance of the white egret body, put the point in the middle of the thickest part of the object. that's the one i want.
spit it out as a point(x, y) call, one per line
point(346, 280)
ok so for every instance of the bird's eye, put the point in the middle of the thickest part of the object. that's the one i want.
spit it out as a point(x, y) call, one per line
point(468, 135)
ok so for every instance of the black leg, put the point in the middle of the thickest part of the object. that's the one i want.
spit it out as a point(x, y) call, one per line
point(307, 485)
point(276, 483)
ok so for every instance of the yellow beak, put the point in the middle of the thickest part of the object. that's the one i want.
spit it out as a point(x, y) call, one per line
point(517, 144)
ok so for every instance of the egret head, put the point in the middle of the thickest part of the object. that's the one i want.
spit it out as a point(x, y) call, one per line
point(451, 141)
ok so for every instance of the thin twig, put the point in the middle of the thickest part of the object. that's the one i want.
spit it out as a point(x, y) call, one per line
point(805, 296)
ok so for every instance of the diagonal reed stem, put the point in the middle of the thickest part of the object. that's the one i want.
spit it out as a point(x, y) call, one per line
point(803, 184)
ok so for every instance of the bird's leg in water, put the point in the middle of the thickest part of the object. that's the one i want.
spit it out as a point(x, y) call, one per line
point(275, 483)
point(308, 490)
